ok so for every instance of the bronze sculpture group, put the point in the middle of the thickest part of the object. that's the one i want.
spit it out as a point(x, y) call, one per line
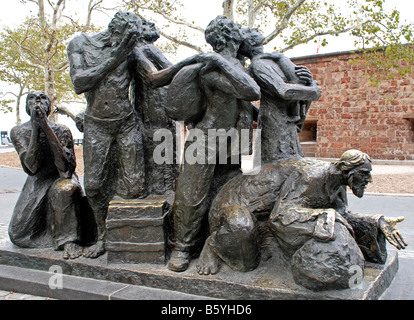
point(217, 212)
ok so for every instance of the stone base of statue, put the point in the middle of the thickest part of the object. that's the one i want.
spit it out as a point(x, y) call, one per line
point(271, 280)
point(137, 231)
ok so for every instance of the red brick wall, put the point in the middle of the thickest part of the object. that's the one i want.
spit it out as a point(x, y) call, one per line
point(353, 114)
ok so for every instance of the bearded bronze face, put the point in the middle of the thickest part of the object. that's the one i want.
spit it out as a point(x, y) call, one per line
point(149, 31)
point(359, 177)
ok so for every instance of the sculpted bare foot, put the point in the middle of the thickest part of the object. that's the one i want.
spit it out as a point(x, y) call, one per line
point(209, 262)
point(95, 251)
point(72, 250)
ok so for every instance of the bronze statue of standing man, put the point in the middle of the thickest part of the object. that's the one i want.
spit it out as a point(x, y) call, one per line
point(224, 84)
point(113, 147)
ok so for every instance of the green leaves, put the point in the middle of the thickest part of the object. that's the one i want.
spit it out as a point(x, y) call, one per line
point(5, 105)
point(34, 49)
point(387, 63)
point(27, 52)
point(289, 23)
point(33, 55)
point(384, 41)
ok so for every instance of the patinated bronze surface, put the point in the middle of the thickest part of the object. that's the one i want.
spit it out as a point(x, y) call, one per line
point(287, 93)
point(113, 144)
point(223, 85)
point(288, 207)
point(150, 104)
point(48, 211)
point(303, 204)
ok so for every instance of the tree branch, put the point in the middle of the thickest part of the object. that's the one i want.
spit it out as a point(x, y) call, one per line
point(184, 43)
point(20, 48)
point(91, 7)
point(56, 13)
point(63, 66)
point(184, 23)
point(260, 5)
point(253, 11)
point(41, 14)
point(284, 22)
point(6, 93)
point(318, 34)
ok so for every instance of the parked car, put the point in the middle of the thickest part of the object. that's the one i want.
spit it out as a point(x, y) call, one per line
point(4, 139)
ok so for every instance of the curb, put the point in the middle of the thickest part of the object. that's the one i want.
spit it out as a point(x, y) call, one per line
point(66, 287)
point(374, 194)
point(399, 195)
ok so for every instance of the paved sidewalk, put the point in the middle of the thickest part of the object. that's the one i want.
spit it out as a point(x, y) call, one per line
point(6, 295)
point(5, 149)
point(392, 169)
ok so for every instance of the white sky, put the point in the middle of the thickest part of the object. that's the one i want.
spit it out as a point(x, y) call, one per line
point(13, 12)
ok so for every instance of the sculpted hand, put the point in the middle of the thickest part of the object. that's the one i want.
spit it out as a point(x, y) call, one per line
point(131, 37)
point(39, 118)
point(391, 232)
point(34, 119)
point(129, 40)
point(318, 92)
point(304, 74)
point(211, 60)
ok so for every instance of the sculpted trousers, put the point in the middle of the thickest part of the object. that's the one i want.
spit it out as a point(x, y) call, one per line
point(114, 163)
point(193, 189)
point(190, 203)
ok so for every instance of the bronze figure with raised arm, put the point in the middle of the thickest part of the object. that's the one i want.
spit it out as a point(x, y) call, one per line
point(224, 85)
point(113, 147)
point(287, 92)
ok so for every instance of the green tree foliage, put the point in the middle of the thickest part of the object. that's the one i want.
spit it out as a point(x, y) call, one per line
point(33, 54)
point(385, 42)
point(14, 70)
point(289, 23)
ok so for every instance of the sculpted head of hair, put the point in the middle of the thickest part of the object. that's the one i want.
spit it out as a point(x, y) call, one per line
point(220, 30)
point(351, 159)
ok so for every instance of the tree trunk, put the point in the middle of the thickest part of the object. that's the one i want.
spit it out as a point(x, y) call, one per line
point(47, 45)
point(228, 9)
point(251, 14)
point(51, 93)
point(18, 119)
point(19, 99)
point(41, 14)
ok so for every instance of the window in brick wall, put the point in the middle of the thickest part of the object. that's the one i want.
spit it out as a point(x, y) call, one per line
point(307, 137)
point(410, 118)
point(309, 131)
